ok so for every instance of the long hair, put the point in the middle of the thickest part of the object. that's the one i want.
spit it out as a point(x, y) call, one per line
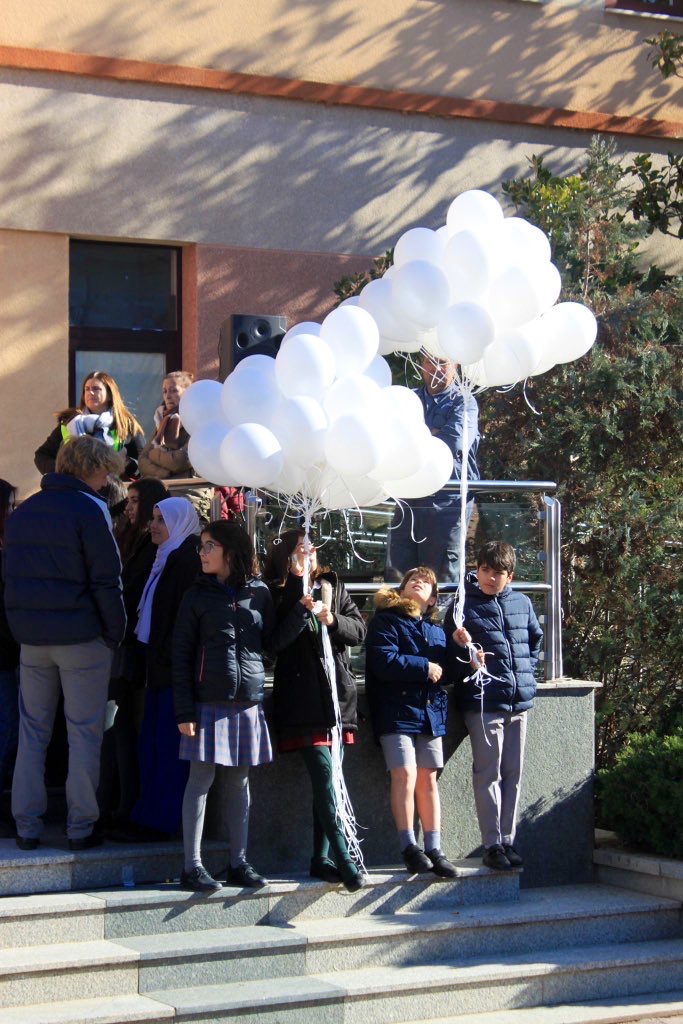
point(7, 494)
point(276, 567)
point(149, 491)
point(125, 424)
point(237, 547)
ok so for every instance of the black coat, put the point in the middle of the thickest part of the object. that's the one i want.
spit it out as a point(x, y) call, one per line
point(9, 648)
point(181, 570)
point(128, 668)
point(45, 456)
point(302, 697)
point(62, 567)
point(219, 638)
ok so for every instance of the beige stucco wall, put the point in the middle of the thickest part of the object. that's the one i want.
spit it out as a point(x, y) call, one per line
point(34, 270)
point(559, 54)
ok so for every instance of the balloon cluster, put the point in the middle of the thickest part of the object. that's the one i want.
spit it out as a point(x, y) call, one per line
point(321, 421)
point(480, 291)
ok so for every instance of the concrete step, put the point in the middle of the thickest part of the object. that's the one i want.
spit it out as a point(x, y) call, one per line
point(550, 918)
point(595, 1011)
point(104, 1010)
point(114, 913)
point(383, 995)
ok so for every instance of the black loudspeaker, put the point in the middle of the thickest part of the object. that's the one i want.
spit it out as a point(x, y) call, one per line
point(243, 335)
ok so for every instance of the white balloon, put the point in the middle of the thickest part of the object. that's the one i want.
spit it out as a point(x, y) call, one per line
point(354, 393)
point(305, 327)
point(354, 444)
point(204, 453)
point(353, 492)
point(512, 358)
point(289, 480)
point(353, 300)
point(464, 331)
point(353, 336)
point(421, 292)
point(571, 329)
point(470, 262)
point(259, 363)
point(304, 366)
point(400, 402)
point(378, 299)
point(252, 454)
point(379, 371)
point(300, 424)
point(548, 284)
point(200, 403)
point(404, 450)
point(523, 241)
point(473, 209)
point(419, 244)
point(251, 393)
point(430, 343)
point(436, 469)
point(513, 297)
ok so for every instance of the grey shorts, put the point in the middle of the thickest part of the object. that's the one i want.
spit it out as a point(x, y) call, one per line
point(402, 750)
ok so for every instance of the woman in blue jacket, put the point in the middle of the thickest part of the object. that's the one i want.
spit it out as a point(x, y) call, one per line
point(224, 621)
point(406, 654)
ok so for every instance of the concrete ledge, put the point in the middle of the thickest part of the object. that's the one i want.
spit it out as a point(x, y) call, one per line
point(657, 876)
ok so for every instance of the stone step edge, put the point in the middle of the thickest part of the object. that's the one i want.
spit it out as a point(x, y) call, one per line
point(595, 1011)
point(643, 863)
point(402, 980)
point(302, 934)
point(128, 1009)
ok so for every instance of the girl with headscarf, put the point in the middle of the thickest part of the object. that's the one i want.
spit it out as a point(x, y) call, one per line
point(175, 530)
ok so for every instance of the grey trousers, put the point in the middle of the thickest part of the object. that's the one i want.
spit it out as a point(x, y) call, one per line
point(81, 672)
point(497, 771)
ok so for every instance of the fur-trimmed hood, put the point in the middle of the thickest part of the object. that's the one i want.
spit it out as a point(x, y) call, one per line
point(389, 600)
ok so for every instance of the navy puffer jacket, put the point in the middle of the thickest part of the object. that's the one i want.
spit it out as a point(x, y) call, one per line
point(399, 646)
point(62, 567)
point(508, 631)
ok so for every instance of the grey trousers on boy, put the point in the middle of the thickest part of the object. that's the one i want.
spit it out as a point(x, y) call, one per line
point(81, 672)
point(497, 771)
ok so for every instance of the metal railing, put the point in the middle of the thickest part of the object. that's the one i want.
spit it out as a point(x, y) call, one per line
point(549, 513)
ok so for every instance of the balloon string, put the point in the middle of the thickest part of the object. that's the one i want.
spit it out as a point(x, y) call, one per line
point(466, 392)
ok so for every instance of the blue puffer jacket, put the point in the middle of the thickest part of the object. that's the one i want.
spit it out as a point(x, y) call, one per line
point(62, 567)
point(508, 631)
point(399, 646)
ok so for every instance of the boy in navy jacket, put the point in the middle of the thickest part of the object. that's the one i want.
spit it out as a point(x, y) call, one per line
point(501, 623)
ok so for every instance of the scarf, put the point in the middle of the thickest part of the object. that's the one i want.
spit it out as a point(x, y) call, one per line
point(97, 424)
point(182, 522)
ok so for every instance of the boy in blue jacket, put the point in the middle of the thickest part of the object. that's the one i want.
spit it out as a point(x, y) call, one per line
point(501, 623)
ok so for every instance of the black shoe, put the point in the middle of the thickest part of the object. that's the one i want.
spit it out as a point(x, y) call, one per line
point(512, 856)
point(245, 877)
point(416, 860)
point(86, 842)
point(325, 871)
point(494, 857)
point(440, 865)
point(356, 882)
point(27, 842)
point(199, 880)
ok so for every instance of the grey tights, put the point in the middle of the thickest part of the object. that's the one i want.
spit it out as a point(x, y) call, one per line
point(194, 808)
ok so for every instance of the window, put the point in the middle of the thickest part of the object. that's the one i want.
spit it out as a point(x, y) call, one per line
point(124, 318)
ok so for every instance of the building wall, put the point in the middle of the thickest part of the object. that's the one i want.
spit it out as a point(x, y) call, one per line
point(34, 270)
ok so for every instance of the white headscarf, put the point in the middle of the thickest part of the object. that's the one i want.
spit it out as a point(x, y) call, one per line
point(182, 522)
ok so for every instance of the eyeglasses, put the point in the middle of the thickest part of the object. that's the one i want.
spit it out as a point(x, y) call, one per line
point(206, 549)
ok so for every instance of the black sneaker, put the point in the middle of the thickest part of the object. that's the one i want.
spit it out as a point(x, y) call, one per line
point(356, 882)
point(27, 842)
point(245, 877)
point(494, 857)
point(199, 880)
point(416, 860)
point(513, 856)
point(325, 871)
point(86, 842)
point(440, 865)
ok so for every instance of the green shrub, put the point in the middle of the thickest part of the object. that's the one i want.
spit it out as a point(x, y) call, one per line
point(641, 796)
